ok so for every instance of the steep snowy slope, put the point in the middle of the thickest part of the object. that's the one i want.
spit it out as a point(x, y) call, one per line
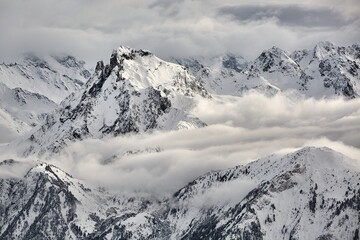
point(310, 194)
point(52, 76)
point(33, 88)
point(25, 106)
point(21, 110)
point(136, 92)
point(227, 75)
point(337, 68)
point(325, 71)
point(313, 193)
point(48, 203)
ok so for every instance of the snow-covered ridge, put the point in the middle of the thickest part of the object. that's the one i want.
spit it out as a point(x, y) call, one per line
point(33, 87)
point(135, 92)
point(324, 71)
point(312, 193)
point(53, 76)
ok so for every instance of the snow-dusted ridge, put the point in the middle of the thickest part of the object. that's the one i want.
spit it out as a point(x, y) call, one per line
point(135, 92)
point(53, 76)
point(324, 71)
point(312, 193)
point(33, 87)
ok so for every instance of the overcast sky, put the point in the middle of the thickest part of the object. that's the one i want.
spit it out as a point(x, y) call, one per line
point(90, 29)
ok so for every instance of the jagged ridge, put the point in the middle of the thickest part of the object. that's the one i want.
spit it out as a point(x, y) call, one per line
point(311, 193)
point(135, 92)
point(324, 71)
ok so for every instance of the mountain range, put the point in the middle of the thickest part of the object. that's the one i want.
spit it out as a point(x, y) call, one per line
point(312, 193)
point(49, 102)
point(324, 71)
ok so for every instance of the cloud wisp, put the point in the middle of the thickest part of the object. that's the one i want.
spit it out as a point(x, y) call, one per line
point(240, 130)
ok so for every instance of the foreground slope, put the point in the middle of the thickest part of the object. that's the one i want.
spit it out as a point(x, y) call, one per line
point(135, 92)
point(310, 194)
point(313, 193)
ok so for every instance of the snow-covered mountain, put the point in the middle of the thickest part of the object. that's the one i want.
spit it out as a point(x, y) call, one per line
point(313, 193)
point(324, 71)
point(34, 87)
point(21, 110)
point(135, 92)
point(54, 76)
point(309, 194)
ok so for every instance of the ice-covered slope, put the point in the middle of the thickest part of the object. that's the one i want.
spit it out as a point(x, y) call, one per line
point(52, 76)
point(25, 106)
point(21, 110)
point(329, 69)
point(34, 87)
point(313, 193)
point(48, 203)
point(227, 75)
point(324, 71)
point(135, 92)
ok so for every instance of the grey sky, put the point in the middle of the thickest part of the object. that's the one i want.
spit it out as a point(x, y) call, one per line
point(90, 29)
point(290, 15)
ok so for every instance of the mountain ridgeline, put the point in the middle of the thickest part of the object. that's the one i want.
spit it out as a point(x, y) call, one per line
point(54, 101)
point(324, 71)
point(312, 193)
point(34, 87)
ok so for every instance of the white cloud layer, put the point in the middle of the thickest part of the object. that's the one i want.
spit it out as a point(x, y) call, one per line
point(241, 130)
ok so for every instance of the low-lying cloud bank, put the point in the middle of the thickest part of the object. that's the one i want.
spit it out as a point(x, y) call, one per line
point(240, 130)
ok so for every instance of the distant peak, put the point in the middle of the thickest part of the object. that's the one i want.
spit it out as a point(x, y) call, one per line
point(129, 53)
point(277, 51)
point(123, 50)
point(323, 49)
point(273, 52)
point(68, 60)
point(324, 44)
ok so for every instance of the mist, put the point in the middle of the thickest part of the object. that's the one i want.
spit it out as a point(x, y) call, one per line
point(240, 130)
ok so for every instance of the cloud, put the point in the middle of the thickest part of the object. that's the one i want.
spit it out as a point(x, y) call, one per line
point(91, 29)
point(10, 168)
point(241, 130)
point(288, 15)
point(6, 134)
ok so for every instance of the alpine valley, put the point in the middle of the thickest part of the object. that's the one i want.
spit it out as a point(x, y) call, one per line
point(49, 104)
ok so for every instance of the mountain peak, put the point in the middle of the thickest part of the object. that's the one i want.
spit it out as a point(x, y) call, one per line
point(324, 49)
point(124, 52)
point(325, 44)
point(273, 57)
point(131, 94)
